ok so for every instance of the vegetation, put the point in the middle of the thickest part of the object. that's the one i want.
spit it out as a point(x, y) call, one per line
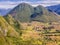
point(13, 32)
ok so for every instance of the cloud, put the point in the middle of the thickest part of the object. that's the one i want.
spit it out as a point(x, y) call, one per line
point(6, 4)
point(47, 3)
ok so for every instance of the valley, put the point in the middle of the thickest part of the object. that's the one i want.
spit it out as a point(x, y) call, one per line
point(28, 25)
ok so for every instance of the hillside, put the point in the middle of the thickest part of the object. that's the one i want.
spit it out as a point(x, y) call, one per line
point(7, 32)
point(33, 33)
point(26, 13)
point(14, 23)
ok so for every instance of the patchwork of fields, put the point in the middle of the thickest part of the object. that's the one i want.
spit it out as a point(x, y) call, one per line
point(42, 33)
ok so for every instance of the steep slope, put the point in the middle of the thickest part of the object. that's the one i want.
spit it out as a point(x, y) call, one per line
point(26, 13)
point(7, 29)
point(55, 8)
point(14, 23)
point(10, 31)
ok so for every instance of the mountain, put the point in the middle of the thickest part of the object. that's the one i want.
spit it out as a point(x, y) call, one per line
point(55, 8)
point(26, 13)
point(22, 11)
point(44, 15)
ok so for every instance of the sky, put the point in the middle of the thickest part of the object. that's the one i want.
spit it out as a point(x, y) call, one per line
point(7, 4)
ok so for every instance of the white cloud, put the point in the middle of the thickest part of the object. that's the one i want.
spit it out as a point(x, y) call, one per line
point(47, 2)
point(7, 5)
point(10, 4)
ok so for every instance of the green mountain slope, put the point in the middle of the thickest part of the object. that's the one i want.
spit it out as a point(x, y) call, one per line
point(5, 27)
point(22, 12)
point(9, 30)
point(14, 23)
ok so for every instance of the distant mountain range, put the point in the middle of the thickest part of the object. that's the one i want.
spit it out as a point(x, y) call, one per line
point(26, 13)
point(55, 8)
point(4, 11)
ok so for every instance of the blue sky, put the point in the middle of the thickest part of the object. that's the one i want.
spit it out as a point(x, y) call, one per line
point(6, 4)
